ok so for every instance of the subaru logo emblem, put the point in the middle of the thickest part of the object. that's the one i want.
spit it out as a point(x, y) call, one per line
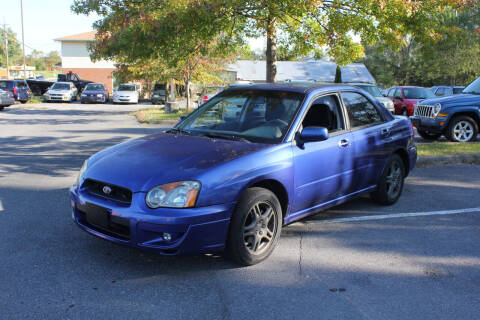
point(107, 190)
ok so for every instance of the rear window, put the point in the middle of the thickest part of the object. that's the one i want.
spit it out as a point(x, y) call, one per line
point(61, 86)
point(4, 84)
point(21, 84)
point(159, 86)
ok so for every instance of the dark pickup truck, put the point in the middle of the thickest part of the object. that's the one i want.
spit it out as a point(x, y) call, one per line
point(39, 87)
point(457, 117)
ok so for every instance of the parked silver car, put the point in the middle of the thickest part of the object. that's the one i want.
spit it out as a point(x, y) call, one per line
point(6, 99)
point(126, 93)
point(61, 91)
point(374, 91)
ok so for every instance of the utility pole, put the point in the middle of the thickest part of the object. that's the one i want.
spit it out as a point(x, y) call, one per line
point(6, 46)
point(23, 43)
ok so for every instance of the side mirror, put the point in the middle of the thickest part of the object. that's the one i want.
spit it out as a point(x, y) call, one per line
point(314, 134)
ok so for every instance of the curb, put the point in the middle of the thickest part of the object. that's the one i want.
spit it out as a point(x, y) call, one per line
point(428, 161)
point(169, 123)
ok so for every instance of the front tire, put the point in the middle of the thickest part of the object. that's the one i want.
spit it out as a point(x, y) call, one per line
point(428, 136)
point(462, 129)
point(391, 182)
point(255, 227)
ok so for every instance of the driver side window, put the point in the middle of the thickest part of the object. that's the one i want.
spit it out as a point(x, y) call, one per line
point(325, 112)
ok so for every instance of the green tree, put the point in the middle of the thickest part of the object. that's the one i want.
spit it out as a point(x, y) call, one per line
point(179, 30)
point(189, 37)
point(14, 49)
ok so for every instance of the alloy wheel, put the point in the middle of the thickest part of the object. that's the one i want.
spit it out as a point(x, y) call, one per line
point(394, 180)
point(260, 227)
point(463, 131)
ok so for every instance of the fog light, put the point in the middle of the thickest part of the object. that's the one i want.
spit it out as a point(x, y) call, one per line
point(167, 236)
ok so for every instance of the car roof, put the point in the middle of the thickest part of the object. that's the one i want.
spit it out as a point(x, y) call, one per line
point(63, 82)
point(292, 87)
point(95, 83)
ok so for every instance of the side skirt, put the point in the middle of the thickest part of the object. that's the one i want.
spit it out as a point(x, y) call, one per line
point(323, 206)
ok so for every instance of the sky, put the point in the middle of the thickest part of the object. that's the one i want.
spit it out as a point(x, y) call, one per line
point(45, 20)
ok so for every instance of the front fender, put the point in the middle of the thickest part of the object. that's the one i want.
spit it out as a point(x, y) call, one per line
point(226, 183)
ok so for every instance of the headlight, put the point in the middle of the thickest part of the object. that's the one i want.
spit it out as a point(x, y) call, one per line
point(181, 194)
point(99, 95)
point(436, 109)
point(84, 95)
point(81, 173)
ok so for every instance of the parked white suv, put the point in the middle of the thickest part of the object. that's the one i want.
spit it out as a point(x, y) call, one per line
point(61, 91)
point(126, 93)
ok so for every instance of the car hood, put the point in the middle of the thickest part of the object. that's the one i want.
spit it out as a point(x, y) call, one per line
point(93, 92)
point(457, 100)
point(162, 158)
point(383, 99)
point(411, 101)
point(58, 91)
point(126, 93)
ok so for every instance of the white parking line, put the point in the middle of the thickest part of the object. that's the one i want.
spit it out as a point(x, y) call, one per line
point(401, 215)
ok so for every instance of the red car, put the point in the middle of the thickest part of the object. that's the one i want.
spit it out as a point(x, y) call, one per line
point(404, 98)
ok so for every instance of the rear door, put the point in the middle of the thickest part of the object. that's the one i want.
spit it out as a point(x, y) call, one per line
point(323, 169)
point(372, 139)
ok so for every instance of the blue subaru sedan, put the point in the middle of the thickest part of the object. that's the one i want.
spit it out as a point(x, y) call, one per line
point(238, 169)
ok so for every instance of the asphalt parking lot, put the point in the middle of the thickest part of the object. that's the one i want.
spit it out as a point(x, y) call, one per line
point(417, 259)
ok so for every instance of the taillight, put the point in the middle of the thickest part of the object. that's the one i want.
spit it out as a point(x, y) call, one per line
point(205, 98)
point(413, 129)
point(15, 91)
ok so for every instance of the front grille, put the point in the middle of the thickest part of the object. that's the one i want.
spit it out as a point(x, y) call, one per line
point(117, 193)
point(100, 219)
point(424, 111)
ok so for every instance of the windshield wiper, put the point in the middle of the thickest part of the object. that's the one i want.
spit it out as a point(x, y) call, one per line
point(178, 130)
point(226, 137)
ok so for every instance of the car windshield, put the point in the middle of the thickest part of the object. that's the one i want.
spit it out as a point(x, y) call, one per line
point(61, 86)
point(418, 93)
point(126, 87)
point(94, 87)
point(159, 86)
point(473, 87)
point(253, 115)
point(373, 90)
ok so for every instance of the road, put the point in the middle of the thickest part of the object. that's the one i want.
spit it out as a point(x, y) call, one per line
point(401, 267)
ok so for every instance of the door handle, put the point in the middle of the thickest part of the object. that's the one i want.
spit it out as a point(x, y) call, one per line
point(344, 143)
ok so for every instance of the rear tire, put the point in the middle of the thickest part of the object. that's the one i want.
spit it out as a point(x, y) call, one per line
point(255, 227)
point(390, 186)
point(1, 108)
point(23, 101)
point(428, 136)
point(462, 129)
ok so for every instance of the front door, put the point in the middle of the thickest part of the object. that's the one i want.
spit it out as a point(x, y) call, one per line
point(323, 169)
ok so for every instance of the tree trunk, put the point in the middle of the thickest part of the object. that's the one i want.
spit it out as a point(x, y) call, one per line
point(271, 50)
point(187, 93)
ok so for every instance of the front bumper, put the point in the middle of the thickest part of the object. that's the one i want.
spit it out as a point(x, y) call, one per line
point(92, 99)
point(125, 100)
point(57, 98)
point(192, 230)
point(432, 125)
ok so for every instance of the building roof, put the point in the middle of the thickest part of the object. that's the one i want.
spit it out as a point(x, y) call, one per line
point(318, 70)
point(86, 36)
